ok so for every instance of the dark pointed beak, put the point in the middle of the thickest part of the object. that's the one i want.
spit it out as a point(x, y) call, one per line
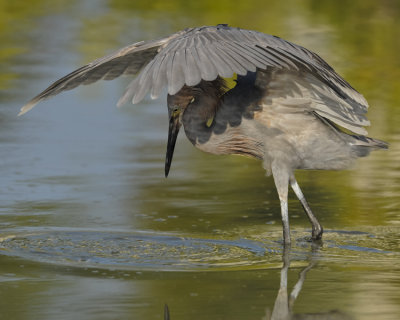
point(174, 126)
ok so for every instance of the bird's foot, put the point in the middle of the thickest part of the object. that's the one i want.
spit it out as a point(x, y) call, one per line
point(317, 233)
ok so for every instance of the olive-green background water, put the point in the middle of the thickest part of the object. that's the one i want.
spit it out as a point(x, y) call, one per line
point(91, 229)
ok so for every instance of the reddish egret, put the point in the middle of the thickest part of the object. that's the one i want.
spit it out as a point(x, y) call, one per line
point(289, 108)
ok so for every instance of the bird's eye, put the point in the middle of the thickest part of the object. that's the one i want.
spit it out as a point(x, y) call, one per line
point(175, 112)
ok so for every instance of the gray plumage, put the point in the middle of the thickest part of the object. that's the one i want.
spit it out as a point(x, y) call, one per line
point(287, 107)
point(188, 56)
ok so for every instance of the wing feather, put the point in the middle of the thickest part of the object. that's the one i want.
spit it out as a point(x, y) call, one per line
point(158, 74)
point(205, 65)
point(223, 68)
point(248, 60)
point(192, 72)
point(129, 59)
point(144, 83)
point(178, 76)
point(305, 91)
point(188, 56)
point(230, 58)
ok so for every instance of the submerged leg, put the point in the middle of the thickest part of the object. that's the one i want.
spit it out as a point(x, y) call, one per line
point(316, 226)
point(281, 178)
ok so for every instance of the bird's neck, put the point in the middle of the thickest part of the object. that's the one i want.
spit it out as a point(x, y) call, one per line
point(220, 125)
point(199, 118)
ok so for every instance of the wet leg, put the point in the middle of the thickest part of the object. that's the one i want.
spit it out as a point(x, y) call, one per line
point(316, 226)
point(281, 178)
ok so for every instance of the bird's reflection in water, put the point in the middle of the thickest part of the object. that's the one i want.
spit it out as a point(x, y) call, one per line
point(283, 306)
point(166, 313)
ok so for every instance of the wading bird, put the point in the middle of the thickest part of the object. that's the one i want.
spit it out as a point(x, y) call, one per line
point(289, 108)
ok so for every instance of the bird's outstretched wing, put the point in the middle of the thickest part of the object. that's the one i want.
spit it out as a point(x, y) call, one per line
point(128, 61)
point(194, 54)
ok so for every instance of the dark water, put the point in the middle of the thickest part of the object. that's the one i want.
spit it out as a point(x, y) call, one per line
point(91, 229)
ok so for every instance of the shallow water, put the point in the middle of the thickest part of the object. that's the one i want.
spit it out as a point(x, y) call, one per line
point(91, 229)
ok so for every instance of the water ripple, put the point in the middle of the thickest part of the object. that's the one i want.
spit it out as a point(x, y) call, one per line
point(139, 251)
point(168, 252)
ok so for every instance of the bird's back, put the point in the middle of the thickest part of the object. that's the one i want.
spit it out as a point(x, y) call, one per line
point(273, 115)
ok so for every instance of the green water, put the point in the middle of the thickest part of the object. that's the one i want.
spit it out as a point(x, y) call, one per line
point(91, 229)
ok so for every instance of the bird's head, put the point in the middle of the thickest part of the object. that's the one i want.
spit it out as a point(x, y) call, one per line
point(203, 99)
point(177, 105)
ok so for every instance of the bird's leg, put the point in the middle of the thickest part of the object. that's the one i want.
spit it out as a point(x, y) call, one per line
point(281, 178)
point(316, 226)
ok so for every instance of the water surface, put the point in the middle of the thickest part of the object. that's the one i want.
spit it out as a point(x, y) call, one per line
point(91, 229)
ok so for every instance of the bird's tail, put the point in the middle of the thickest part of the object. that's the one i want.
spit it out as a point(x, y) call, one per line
point(362, 145)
